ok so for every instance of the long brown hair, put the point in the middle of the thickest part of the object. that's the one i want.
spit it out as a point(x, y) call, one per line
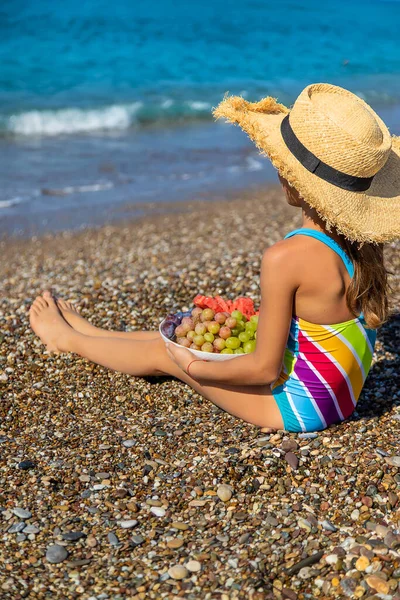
point(369, 288)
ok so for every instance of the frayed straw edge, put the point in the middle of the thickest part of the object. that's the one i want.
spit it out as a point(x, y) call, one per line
point(236, 110)
point(232, 107)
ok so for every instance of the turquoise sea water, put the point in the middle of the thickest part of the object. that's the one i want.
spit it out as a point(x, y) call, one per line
point(103, 103)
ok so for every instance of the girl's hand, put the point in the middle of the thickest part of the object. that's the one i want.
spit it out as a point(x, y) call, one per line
point(181, 356)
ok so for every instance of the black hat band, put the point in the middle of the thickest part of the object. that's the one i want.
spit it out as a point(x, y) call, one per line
point(319, 168)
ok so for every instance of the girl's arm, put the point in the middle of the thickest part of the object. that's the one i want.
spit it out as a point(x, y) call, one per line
point(279, 281)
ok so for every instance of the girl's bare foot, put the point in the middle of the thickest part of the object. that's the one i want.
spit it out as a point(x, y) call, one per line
point(47, 322)
point(71, 315)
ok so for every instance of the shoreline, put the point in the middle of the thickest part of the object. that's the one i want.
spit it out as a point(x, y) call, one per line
point(120, 476)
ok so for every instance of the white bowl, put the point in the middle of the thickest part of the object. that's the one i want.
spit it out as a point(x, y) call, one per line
point(200, 354)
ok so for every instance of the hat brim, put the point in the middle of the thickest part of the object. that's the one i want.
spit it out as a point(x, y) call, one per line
point(370, 216)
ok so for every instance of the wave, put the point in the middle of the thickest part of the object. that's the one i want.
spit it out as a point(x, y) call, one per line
point(10, 202)
point(114, 117)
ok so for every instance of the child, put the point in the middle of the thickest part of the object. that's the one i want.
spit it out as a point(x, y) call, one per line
point(323, 287)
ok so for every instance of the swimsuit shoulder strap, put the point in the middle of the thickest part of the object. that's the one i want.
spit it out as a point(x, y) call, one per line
point(325, 239)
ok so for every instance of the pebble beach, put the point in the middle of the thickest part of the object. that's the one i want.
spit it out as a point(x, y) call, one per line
point(115, 487)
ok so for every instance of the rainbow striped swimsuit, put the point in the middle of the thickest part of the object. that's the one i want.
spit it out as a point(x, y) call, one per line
point(324, 366)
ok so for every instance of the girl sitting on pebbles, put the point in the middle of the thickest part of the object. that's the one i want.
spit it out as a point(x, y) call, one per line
point(323, 287)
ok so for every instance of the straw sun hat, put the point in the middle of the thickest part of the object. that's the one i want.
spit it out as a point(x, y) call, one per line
point(335, 150)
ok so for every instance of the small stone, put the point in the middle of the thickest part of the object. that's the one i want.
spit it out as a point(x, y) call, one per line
point(128, 443)
point(378, 584)
point(180, 525)
point(56, 554)
point(371, 490)
point(175, 543)
point(25, 465)
point(137, 539)
point(262, 441)
point(31, 529)
point(22, 513)
point(381, 530)
point(193, 566)
point(304, 524)
point(393, 461)
point(244, 538)
point(328, 525)
point(158, 511)
point(178, 572)
point(289, 445)
point(20, 537)
point(102, 475)
point(367, 501)
point(355, 514)
point(306, 573)
point(224, 492)
point(289, 594)
point(16, 527)
point(292, 460)
point(91, 541)
point(112, 539)
point(72, 536)
point(393, 499)
point(240, 515)
point(362, 563)
point(332, 559)
point(308, 436)
point(128, 524)
point(348, 586)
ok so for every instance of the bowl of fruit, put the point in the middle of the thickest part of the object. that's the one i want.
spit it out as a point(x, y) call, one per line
point(211, 333)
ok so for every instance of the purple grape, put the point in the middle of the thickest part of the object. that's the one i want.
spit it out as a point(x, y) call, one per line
point(174, 318)
point(168, 329)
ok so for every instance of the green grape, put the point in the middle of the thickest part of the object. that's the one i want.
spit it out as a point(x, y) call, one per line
point(249, 346)
point(236, 314)
point(190, 335)
point(209, 337)
point(207, 315)
point(233, 342)
point(250, 327)
point(238, 351)
point(214, 327)
point(198, 340)
point(200, 329)
point(235, 332)
point(244, 336)
point(254, 319)
point(240, 325)
point(207, 347)
point(227, 351)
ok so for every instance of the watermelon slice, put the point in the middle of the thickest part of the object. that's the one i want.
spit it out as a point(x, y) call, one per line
point(219, 304)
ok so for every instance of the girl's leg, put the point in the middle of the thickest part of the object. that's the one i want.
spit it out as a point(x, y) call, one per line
point(79, 323)
point(253, 404)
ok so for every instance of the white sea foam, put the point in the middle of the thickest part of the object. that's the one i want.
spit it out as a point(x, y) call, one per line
point(253, 164)
point(72, 189)
point(10, 202)
point(73, 120)
point(198, 105)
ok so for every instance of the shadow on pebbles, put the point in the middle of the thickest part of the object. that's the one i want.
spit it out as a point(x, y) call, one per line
point(115, 487)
